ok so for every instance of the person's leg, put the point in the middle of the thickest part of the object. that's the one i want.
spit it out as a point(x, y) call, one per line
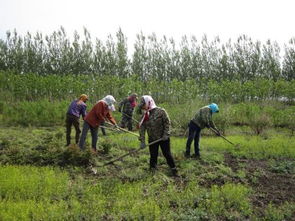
point(123, 121)
point(129, 123)
point(76, 124)
point(166, 150)
point(83, 135)
point(197, 141)
point(94, 136)
point(190, 138)
point(154, 155)
point(68, 129)
point(165, 147)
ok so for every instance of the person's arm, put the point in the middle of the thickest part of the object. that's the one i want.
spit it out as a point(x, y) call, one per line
point(83, 111)
point(142, 130)
point(120, 106)
point(111, 119)
point(210, 122)
point(166, 125)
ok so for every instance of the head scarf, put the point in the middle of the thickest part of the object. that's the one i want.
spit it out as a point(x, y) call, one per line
point(83, 97)
point(132, 99)
point(149, 101)
point(214, 107)
point(110, 100)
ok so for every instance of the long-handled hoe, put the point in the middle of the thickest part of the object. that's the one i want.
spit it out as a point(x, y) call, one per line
point(122, 129)
point(129, 153)
point(218, 134)
point(130, 117)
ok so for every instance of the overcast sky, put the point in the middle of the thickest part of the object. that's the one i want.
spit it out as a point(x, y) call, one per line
point(258, 19)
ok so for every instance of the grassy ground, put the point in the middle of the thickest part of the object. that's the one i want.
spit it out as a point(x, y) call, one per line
point(43, 180)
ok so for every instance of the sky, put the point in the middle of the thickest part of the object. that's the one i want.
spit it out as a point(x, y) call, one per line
point(259, 19)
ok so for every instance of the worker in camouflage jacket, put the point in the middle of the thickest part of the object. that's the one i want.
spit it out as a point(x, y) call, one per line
point(126, 107)
point(202, 119)
point(156, 122)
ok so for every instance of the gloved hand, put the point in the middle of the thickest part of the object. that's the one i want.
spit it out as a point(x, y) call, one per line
point(142, 145)
point(116, 126)
point(165, 137)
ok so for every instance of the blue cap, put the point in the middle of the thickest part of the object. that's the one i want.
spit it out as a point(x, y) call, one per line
point(214, 107)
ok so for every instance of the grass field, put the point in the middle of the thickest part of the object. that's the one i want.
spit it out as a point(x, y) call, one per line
point(41, 179)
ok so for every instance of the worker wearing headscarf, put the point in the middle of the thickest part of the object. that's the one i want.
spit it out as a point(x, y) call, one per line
point(97, 115)
point(202, 119)
point(156, 122)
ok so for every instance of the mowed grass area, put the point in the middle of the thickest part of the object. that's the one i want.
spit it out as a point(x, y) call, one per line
point(41, 179)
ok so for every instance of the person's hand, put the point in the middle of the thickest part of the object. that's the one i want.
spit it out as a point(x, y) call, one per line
point(165, 137)
point(142, 145)
point(218, 132)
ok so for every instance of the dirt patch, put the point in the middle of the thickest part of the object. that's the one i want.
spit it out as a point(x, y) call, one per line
point(269, 187)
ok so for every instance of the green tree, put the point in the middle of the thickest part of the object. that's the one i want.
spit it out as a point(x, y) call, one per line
point(288, 70)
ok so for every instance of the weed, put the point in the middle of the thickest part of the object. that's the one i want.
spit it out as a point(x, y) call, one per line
point(230, 201)
point(106, 146)
point(283, 212)
point(285, 166)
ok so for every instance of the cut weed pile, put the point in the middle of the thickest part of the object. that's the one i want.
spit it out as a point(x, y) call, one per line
point(255, 182)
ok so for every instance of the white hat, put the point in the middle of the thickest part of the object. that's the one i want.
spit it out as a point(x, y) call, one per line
point(109, 99)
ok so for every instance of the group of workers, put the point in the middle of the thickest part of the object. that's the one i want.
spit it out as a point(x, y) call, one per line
point(155, 121)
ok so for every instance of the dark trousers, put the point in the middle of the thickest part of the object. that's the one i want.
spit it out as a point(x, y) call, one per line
point(94, 135)
point(194, 133)
point(165, 147)
point(126, 121)
point(72, 120)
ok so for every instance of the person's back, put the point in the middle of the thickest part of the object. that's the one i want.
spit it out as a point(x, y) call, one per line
point(100, 112)
point(203, 117)
point(158, 124)
point(77, 108)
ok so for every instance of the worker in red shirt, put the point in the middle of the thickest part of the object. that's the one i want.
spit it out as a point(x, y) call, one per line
point(98, 114)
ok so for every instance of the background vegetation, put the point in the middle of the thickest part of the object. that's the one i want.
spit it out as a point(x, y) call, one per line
point(152, 58)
